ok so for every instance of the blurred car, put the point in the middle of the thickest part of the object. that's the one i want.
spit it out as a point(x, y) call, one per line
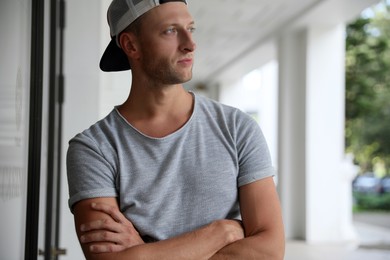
point(385, 185)
point(367, 184)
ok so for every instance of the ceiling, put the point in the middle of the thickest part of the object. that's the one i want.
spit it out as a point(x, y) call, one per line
point(228, 31)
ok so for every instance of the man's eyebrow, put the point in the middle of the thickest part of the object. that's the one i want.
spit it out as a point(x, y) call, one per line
point(191, 23)
point(178, 24)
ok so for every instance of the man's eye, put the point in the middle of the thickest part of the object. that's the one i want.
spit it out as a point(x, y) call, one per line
point(170, 31)
point(192, 29)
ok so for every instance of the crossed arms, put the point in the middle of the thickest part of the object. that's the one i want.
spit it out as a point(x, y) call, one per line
point(104, 233)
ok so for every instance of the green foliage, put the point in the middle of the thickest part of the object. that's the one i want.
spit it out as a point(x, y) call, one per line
point(368, 88)
point(372, 201)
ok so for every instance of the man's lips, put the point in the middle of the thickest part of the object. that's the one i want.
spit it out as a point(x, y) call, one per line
point(186, 61)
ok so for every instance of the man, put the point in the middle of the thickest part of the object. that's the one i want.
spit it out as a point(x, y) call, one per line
point(169, 174)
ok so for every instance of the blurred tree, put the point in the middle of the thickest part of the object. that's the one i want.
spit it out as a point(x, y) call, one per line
point(368, 88)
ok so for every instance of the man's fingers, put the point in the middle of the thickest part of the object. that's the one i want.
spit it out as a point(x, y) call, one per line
point(101, 236)
point(110, 210)
point(109, 248)
point(113, 233)
point(103, 224)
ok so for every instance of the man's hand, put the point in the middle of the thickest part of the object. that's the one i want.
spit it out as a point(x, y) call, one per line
point(116, 229)
point(105, 233)
point(263, 224)
point(234, 229)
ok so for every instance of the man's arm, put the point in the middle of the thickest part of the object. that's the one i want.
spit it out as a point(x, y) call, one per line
point(199, 244)
point(263, 225)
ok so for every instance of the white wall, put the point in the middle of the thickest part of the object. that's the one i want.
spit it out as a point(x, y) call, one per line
point(82, 51)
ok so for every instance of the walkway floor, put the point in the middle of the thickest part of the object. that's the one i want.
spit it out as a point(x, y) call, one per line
point(373, 231)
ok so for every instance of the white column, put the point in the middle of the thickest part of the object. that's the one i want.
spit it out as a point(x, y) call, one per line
point(325, 133)
point(313, 187)
point(292, 137)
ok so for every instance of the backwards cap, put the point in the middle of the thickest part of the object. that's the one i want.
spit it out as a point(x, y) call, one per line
point(120, 14)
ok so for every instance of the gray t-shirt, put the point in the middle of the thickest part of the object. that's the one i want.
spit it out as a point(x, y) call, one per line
point(171, 185)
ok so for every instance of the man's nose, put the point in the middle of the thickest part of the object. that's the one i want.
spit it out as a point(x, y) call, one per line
point(187, 41)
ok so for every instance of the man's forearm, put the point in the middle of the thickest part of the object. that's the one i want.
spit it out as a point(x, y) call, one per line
point(263, 224)
point(199, 244)
point(261, 246)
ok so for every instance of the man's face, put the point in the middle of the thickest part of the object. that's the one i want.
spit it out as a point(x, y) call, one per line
point(167, 46)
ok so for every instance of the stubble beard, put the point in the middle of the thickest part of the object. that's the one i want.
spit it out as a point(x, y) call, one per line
point(162, 71)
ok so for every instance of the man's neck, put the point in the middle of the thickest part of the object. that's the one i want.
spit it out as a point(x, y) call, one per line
point(157, 111)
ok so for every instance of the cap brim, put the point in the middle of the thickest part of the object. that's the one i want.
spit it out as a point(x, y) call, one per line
point(114, 59)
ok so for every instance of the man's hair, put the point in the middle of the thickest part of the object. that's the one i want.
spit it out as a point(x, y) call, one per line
point(134, 27)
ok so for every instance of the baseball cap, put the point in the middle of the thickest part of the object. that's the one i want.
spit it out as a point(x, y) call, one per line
point(120, 14)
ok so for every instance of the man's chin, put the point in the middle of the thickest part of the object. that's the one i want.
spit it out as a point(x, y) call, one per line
point(187, 79)
point(179, 78)
point(184, 79)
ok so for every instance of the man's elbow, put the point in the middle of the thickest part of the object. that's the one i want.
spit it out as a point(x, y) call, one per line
point(271, 246)
point(277, 254)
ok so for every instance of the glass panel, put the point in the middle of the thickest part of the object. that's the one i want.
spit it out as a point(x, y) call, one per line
point(15, 23)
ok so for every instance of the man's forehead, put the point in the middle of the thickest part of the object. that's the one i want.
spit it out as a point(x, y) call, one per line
point(166, 14)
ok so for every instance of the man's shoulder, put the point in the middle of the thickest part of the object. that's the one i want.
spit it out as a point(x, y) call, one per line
point(218, 108)
point(106, 126)
point(214, 105)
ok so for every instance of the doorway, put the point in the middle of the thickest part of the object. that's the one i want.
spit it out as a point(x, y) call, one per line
point(31, 83)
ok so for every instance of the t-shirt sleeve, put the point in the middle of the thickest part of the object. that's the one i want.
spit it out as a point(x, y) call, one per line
point(90, 174)
point(253, 154)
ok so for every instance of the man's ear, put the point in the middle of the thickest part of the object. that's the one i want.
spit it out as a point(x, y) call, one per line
point(128, 42)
